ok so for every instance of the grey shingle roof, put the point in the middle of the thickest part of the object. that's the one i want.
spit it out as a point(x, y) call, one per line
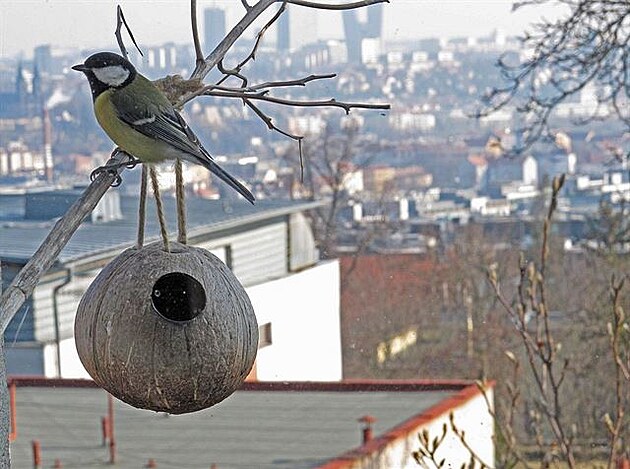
point(19, 239)
point(251, 429)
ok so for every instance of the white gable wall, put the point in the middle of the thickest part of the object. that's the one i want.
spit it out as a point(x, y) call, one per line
point(303, 310)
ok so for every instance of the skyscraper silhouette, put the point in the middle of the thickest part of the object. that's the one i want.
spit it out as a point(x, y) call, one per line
point(214, 27)
point(356, 31)
point(284, 33)
point(297, 27)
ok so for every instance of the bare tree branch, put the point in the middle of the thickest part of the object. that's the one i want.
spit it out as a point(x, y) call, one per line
point(120, 20)
point(297, 82)
point(269, 122)
point(261, 33)
point(336, 7)
point(260, 87)
point(262, 96)
point(195, 32)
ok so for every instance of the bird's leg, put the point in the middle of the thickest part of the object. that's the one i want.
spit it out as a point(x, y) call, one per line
point(113, 168)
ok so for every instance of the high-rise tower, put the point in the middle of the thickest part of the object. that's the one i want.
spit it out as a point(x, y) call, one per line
point(356, 31)
point(297, 27)
point(214, 27)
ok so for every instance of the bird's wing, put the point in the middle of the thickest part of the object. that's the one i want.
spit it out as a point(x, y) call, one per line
point(158, 119)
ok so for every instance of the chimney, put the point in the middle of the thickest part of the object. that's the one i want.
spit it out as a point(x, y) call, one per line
point(37, 454)
point(48, 160)
point(367, 421)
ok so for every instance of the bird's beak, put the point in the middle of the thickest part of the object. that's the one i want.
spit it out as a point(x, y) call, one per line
point(80, 68)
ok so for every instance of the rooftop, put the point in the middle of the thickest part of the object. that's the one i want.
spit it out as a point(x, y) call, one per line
point(263, 425)
point(19, 238)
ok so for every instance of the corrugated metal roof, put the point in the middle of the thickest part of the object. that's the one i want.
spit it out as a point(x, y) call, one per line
point(20, 239)
point(296, 429)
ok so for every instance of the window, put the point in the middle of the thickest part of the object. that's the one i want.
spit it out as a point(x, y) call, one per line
point(264, 335)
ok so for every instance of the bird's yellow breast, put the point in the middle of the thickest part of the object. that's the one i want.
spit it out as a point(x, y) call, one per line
point(123, 135)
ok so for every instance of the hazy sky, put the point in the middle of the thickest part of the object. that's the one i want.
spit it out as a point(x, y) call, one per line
point(90, 23)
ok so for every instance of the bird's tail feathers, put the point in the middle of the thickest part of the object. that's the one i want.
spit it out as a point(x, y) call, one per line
point(227, 178)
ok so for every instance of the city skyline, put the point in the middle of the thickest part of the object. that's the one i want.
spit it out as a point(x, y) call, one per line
point(91, 24)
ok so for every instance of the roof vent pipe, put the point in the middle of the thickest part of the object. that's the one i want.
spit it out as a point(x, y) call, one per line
point(367, 421)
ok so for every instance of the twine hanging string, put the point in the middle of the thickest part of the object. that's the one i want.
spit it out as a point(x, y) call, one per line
point(160, 208)
point(142, 209)
point(181, 203)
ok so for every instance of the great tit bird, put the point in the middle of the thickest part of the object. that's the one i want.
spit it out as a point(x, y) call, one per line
point(141, 120)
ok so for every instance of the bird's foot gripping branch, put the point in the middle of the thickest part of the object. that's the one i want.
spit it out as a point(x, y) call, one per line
point(112, 167)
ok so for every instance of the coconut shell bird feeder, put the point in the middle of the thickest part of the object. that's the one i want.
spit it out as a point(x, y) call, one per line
point(169, 330)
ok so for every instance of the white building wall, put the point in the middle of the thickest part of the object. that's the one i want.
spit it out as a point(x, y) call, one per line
point(530, 171)
point(50, 360)
point(472, 417)
point(257, 255)
point(71, 366)
point(303, 310)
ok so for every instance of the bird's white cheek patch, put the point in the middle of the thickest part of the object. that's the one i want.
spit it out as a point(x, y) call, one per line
point(114, 75)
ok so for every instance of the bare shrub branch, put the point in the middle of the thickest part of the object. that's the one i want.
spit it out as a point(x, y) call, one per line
point(539, 344)
point(587, 46)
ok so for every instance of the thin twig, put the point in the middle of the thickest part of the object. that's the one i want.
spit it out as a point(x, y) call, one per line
point(262, 96)
point(297, 82)
point(211, 60)
point(120, 20)
point(301, 161)
point(259, 87)
point(506, 427)
point(429, 447)
point(235, 72)
point(228, 72)
point(337, 7)
point(195, 32)
point(261, 33)
point(269, 122)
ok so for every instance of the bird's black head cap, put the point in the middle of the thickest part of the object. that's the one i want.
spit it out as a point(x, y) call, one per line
point(106, 70)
